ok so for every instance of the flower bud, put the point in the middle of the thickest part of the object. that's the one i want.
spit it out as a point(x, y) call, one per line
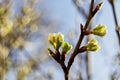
point(100, 30)
point(66, 47)
point(56, 39)
point(93, 45)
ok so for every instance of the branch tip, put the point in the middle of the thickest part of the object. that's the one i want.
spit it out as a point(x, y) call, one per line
point(97, 8)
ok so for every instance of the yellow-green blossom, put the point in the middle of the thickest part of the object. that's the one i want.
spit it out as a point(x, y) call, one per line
point(66, 47)
point(100, 30)
point(93, 45)
point(56, 39)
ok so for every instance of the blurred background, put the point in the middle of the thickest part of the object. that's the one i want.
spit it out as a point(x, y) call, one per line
point(24, 29)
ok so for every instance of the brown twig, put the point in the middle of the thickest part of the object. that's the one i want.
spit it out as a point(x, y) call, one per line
point(115, 19)
point(83, 29)
point(78, 49)
point(87, 56)
point(75, 52)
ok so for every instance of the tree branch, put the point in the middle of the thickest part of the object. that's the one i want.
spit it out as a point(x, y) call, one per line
point(115, 19)
point(75, 52)
point(60, 58)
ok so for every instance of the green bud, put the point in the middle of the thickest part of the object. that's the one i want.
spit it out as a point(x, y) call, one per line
point(100, 30)
point(51, 39)
point(66, 47)
point(56, 39)
point(93, 45)
point(59, 40)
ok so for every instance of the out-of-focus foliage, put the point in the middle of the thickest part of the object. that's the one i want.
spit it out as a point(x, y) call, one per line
point(5, 30)
point(24, 70)
point(14, 34)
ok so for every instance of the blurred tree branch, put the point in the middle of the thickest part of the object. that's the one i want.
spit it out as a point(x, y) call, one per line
point(117, 28)
point(80, 10)
point(115, 19)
